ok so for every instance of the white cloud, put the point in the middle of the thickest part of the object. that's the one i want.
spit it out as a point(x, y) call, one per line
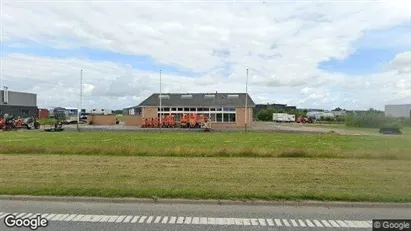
point(282, 45)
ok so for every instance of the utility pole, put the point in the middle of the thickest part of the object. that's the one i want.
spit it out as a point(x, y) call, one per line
point(246, 102)
point(161, 112)
point(1, 43)
point(81, 98)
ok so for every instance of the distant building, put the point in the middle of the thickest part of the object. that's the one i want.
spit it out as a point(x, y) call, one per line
point(222, 108)
point(398, 111)
point(19, 104)
point(339, 113)
point(99, 111)
point(317, 115)
point(277, 107)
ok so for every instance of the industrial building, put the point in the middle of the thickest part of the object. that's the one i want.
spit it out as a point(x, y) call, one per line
point(277, 107)
point(19, 104)
point(398, 110)
point(220, 108)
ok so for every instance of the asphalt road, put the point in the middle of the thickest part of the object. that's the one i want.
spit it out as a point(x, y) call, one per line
point(153, 216)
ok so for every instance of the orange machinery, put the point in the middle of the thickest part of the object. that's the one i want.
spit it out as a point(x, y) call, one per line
point(155, 122)
point(164, 121)
point(171, 121)
point(19, 123)
point(184, 121)
point(147, 123)
point(193, 120)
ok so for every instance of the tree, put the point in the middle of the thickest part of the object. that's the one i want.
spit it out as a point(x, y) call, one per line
point(265, 114)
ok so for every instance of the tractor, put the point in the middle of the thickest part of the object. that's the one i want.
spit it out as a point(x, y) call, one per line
point(59, 116)
point(30, 123)
point(9, 123)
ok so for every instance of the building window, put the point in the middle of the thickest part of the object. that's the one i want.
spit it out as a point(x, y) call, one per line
point(229, 109)
point(186, 109)
point(199, 109)
point(186, 97)
point(212, 109)
point(25, 112)
point(164, 97)
point(219, 109)
point(232, 96)
point(225, 117)
point(174, 109)
point(231, 117)
point(179, 109)
point(166, 109)
point(213, 118)
point(193, 109)
point(219, 117)
point(209, 97)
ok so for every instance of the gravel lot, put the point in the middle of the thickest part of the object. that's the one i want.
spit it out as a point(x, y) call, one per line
point(258, 126)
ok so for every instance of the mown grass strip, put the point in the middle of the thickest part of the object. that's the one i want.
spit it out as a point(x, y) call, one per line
point(206, 178)
point(207, 145)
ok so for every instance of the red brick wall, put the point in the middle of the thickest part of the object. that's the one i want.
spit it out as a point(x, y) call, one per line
point(132, 120)
point(240, 118)
point(149, 112)
point(102, 119)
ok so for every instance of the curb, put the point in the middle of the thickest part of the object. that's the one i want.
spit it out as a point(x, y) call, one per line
point(335, 204)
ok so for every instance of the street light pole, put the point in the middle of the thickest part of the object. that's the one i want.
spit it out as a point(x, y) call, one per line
point(81, 98)
point(161, 114)
point(246, 102)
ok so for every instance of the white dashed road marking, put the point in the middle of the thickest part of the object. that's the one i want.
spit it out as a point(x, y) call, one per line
point(150, 218)
point(188, 220)
point(270, 222)
point(212, 221)
point(278, 222)
point(326, 223)
point(127, 219)
point(135, 219)
point(157, 219)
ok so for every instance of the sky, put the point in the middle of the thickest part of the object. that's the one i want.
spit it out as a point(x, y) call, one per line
point(311, 54)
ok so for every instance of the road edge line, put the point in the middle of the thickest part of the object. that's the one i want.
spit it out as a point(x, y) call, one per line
point(301, 203)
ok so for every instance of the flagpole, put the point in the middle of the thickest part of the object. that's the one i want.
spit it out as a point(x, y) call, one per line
point(161, 111)
point(246, 102)
point(81, 97)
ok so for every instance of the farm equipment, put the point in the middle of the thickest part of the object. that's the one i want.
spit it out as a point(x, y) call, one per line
point(164, 121)
point(168, 121)
point(30, 123)
point(184, 122)
point(206, 125)
point(60, 116)
point(192, 120)
point(9, 123)
point(156, 123)
point(304, 120)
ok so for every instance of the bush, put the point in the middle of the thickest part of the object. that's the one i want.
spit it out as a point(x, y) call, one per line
point(265, 115)
point(405, 122)
point(48, 121)
point(371, 120)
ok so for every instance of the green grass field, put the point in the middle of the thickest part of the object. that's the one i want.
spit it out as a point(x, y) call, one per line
point(183, 144)
point(218, 178)
point(201, 165)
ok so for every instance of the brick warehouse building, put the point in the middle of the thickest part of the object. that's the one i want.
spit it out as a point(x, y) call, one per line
point(18, 103)
point(223, 109)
